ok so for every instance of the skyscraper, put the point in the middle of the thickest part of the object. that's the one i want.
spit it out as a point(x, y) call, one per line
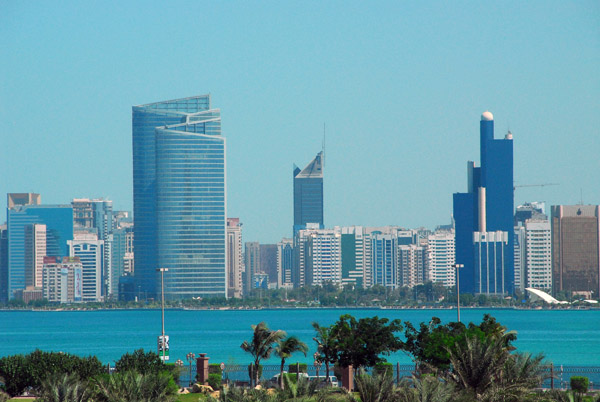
point(576, 249)
point(484, 217)
point(179, 198)
point(23, 210)
point(308, 194)
point(234, 257)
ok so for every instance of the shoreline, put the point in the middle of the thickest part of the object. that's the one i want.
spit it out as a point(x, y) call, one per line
point(276, 308)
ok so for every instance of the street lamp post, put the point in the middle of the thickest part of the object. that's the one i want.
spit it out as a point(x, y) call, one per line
point(190, 358)
point(457, 266)
point(162, 292)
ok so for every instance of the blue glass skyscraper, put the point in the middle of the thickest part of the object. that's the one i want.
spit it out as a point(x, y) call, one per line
point(59, 229)
point(308, 194)
point(484, 217)
point(179, 195)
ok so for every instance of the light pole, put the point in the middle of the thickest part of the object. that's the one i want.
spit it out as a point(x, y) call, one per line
point(179, 365)
point(456, 267)
point(162, 292)
point(190, 358)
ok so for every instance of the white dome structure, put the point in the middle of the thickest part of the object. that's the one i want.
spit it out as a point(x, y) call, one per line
point(487, 116)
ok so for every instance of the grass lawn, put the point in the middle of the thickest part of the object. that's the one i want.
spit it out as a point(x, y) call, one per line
point(189, 398)
point(21, 400)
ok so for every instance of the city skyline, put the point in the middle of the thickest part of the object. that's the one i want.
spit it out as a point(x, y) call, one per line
point(400, 102)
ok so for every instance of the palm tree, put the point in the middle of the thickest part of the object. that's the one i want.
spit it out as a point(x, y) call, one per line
point(64, 388)
point(375, 388)
point(284, 350)
point(325, 346)
point(426, 388)
point(261, 345)
point(477, 365)
point(131, 386)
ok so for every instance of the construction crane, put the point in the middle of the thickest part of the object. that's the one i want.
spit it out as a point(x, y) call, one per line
point(535, 185)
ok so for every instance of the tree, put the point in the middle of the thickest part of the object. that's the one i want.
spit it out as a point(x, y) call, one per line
point(141, 362)
point(432, 343)
point(361, 343)
point(14, 372)
point(261, 345)
point(131, 386)
point(326, 346)
point(64, 388)
point(284, 350)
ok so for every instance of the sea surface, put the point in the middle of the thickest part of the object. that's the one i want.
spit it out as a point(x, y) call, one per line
point(569, 337)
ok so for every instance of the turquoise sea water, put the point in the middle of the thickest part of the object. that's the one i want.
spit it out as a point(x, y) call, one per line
point(570, 337)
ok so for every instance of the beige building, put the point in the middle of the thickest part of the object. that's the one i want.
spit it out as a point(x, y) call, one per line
point(576, 249)
point(234, 257)
point(62, 279)
point(35, 251)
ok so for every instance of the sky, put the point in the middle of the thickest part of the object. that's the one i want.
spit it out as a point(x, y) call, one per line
point(398, 85)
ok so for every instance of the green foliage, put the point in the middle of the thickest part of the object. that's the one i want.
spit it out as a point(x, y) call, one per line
point(425, 388)
point(384, 369)
point(361, 343)
point(302, 366)
point(580, 384)
point(64, 388)
point(22, 372)
point(326, 346)
point(375, 388)
point(214, 380)
point(252, 373)
point(432, 344)
point(135, 387)
point(214, 368)
point(140, 362)
point(261, 344)
point(15, 372)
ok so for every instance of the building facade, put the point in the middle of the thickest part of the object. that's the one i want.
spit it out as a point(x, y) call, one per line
point(576, 249)
point(235, 263)
point(285, 262)
point(90, 252)
point(441, 257)
point(308, 194)
point(179, 196)
point(251, 265)
point(62, 279)
point(484, 217)
point(59, 229)
point(35, 251)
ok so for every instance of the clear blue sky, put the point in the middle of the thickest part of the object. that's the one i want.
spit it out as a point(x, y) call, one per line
point(400, 86)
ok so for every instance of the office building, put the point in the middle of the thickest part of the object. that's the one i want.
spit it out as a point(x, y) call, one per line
point(268, 263)
point(35, 251)
point(3, 264)
point(308, 194)
point(62, 279)
point(441, 257)
point(324, 257)
point(235, 262)
point(576, 249)
point(412, 265)
point(96, 216)
point(520, 260)
point(354, 260)
point(538, 242)
point(251, 265)
point(285, 262)
point(24, 210)
point(90, 252)
point(384, 259)
point(179, 198)
point(484, 217)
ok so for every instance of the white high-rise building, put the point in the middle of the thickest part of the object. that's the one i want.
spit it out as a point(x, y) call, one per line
point(412, 265)
point(234, 257)
point(62, 279)
point(441, 258)
point(539, 254)
point(90, 251)
point(324, 257)
point(520, 258)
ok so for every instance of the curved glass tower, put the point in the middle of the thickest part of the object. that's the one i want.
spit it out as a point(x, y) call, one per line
point(179, 196)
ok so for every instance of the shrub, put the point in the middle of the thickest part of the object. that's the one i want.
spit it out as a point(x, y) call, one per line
point(141, 362)
point(580, 384)
point(303, 368)
point(384, 368)
point(214, 380)
point(214, 368)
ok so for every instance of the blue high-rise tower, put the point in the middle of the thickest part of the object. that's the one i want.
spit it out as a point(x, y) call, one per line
point(484, 217)
point(308, 194)
point(179, 198)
